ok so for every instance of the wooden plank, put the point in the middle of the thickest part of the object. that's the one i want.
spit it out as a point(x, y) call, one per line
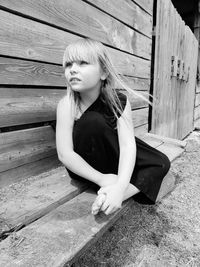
point(21, 72)
point(141, 130)
point(197, 124)
point(57, 237)
point(29, 199)
point(20, 147)
point(127, 12)
point(171, 150)
point(28, 105)
point(92, 22)
point(197, 113)
point(28, 170)
point(140, 116)
point(146, 5)
point(166, 140)
point(47, 44)
point(197, 100)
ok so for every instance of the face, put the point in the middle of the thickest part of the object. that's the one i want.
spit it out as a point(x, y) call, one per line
point(83, 76)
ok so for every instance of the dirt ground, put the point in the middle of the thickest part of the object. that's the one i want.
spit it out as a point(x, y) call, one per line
point(163, 235)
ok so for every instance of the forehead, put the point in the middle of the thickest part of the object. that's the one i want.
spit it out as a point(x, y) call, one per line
point(77, 52)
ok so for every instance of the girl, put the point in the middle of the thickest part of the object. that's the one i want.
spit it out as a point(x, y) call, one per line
point(94, 132)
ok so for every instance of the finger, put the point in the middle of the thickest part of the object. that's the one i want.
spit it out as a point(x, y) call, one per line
point(102, 190)
point(109, 210)
point(105, 206)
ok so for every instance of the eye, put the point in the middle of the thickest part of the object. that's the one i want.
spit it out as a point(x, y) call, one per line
point(83, 62)
point(68, 64)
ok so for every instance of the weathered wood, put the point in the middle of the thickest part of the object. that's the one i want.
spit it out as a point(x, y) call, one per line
point(146, 5)
point(197, 100)
point(21, 72)
point(140, 117)
point(55, 238)
point(30, 199)
point(149, 136)
point(64, 233)
point(93, 22)
point(28, 105)
point(197, 124)
point(172, 115)
point(127, 12)
point(21, 147)
point(170, 150)
point(197, 113)
point(24, 38)
point(141, 130)
point(28, 170)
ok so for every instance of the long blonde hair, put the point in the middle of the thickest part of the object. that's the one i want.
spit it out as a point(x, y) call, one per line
point(93, 51)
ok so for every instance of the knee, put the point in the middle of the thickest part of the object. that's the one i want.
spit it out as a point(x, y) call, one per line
point(164, 163)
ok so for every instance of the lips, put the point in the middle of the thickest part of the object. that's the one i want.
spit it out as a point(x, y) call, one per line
point(74, 79)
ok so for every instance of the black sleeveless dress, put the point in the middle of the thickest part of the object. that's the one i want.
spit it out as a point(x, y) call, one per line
point(95, 139)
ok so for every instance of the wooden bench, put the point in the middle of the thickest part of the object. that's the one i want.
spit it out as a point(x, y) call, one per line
point(46, 218)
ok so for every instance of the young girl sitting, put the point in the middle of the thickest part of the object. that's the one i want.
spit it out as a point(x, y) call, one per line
point(95, 136)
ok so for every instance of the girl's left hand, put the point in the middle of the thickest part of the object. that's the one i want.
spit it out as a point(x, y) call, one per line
point(114, 198)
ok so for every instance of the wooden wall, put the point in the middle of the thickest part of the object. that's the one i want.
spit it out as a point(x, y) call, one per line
point(176, 50)
point(197, 98)
point(34, 35)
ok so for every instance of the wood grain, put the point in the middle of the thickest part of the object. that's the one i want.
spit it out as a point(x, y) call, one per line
point(23, 72)
point(28, 105)
point(172, 114)
point(127, 12)
point(24, 146)
point(93, 23)
point(29, 199)
point(29, 39)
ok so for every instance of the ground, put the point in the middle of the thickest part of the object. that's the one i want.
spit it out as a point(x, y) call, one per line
point(163, 235)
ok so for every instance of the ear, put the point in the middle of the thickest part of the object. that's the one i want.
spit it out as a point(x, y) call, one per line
point(104, 75)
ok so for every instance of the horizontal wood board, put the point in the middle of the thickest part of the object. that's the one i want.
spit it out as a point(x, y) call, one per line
point(29, 39)
point(22, 72)
point(29, 105)
point(91, 23)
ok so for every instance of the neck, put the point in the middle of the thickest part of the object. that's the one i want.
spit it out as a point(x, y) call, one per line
point(87, 98)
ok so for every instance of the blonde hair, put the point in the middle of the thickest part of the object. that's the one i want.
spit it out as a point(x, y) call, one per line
point(93, 51)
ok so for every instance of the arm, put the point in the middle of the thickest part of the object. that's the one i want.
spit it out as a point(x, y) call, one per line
point(126, 162)
point(64, 144)
point(127, 147)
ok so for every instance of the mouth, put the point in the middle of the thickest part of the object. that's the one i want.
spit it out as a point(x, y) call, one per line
point(74, 79)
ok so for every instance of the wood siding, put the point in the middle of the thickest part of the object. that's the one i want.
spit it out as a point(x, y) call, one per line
point(34, 35)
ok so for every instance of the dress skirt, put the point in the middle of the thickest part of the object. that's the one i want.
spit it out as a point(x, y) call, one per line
point(97, 143)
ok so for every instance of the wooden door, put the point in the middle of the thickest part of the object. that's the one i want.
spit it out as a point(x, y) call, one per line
point(175, 67)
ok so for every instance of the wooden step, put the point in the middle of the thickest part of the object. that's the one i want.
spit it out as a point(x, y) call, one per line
point(25, 201)
point(66, 231)
point(23, 147)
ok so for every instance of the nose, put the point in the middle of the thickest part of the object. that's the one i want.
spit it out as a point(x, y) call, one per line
point(74, 68)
